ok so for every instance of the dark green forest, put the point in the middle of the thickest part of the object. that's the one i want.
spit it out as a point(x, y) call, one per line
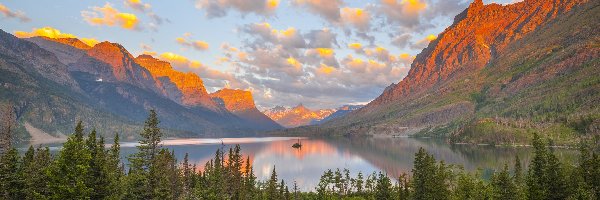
point(85, 169)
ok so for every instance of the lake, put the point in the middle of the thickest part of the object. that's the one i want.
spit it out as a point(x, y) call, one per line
point(366, 154)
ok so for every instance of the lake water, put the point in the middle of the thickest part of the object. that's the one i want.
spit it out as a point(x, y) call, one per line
point(305, 165)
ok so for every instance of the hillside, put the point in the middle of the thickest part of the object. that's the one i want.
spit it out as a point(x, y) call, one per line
point(53, 83)
point(495, 75)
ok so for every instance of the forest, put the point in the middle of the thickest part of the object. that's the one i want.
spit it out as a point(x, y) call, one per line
point(87, 169)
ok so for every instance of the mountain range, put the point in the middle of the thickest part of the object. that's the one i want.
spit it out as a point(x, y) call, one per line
point(54, 82)
point(296, 116)
point(498, 73)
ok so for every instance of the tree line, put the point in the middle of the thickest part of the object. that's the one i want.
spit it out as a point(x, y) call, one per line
point(85, 169)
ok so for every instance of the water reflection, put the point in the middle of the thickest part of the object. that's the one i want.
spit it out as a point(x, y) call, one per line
point(305, 165)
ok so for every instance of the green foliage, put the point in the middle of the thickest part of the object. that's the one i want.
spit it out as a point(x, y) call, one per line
point(84, 169)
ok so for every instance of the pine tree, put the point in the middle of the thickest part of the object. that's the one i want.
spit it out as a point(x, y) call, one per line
point(384, 187)
point(272, 192)
point(114, 170)
point(537, 174)
point(11, 175)
point(503, 186)
point(424, 176)
point(249, 180)
point(97, 176)
point(68, 174)
point(141, 180)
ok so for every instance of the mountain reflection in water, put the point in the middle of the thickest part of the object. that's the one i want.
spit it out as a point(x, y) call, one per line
point(305, 165)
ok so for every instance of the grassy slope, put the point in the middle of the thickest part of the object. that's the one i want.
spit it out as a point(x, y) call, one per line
point(547, 82)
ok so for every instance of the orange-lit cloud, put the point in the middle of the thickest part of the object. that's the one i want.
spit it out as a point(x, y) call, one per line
point(180, 60)
point(137, 5)
point(357, 17)
point(294, 63)
point(109, 16)
point(325, 69)
point(54, 33)
point(325, 52)
point(424, 42)
point(13, 14)
point(198, 44)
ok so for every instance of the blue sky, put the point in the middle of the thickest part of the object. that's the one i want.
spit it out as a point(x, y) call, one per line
point(286, 52)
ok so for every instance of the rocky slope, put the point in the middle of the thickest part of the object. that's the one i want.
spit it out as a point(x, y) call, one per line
point(241, 104)
point(340, 112)
point(185, 88)
point(496, 74)
point(296, 116)
point(52, 85)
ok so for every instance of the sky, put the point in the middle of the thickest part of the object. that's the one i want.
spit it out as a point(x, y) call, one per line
point(321, 53)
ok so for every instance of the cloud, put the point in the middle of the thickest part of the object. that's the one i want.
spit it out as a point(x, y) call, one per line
point(356, 17)
point(421, 44)
point(109, 16)
point(211, 77)
point(401, 41)
point(288, 38)
point(220, 8)
point(137, 5)
point(321, 39)
point(13, 14)
point(197, 44)
point(328, 9)
point(145, 8)
point(53, 33)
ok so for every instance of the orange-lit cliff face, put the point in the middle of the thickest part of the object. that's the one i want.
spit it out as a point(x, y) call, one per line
point(235, 100)
point(111, 61)
point(241, 104)
point(184, 88)
point(477, 35)
point(296, 116)
point(74, 42)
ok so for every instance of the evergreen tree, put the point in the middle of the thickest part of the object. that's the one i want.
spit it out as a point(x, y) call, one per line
point(424, 176)
point(34, 166)
point(97, 175)
point(383, 190)
point(142, 181)
point(503, 186)
point(249, 180)
point(272, 191)
point(537, 174)
point(11, 175)
point(114, 170)
point(68, 174)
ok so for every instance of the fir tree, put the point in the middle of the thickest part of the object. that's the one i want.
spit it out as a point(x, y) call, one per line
point(11, 175)
point(383, 190)
point(272, 191)
point(69, 173)
point(503, 186)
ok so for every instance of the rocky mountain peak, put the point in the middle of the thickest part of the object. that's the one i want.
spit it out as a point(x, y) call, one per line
point(74, 42)
point(477, 35)
point(185, 88)
point(234, 100)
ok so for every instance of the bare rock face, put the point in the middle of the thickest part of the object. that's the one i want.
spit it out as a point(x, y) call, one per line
point(297, 116)
point(29, 54)
point(235, 100)
point(477, 35)
point(184, 88)
point(241, 104)
point(67, 50)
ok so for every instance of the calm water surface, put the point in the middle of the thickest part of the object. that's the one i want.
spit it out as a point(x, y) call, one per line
point(305, 166)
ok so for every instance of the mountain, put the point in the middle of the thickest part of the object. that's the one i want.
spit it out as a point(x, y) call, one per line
point(184, 88)
point(340, 112)
point(296, 116)
point(53, 83)
point(241, 104)
point(496, 74)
